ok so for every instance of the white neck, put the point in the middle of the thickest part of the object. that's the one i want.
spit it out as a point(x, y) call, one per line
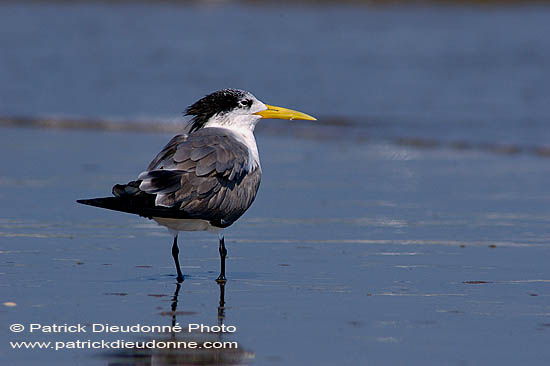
point(245, 133)
point(242, 123)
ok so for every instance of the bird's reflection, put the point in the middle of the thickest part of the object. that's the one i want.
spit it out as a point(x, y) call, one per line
point(232, 355)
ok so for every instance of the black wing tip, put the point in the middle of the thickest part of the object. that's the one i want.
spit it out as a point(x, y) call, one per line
point(99, 202)
point(136, 207)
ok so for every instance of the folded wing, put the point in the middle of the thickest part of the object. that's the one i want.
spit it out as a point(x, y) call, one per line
point(205, 175)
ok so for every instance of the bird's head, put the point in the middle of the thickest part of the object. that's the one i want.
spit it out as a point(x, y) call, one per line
point(236, 108)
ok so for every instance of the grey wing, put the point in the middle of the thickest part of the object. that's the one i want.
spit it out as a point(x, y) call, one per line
point(206, 174)
point(164, 160)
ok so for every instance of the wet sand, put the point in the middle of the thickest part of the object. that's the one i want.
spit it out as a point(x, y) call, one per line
point(353, 253)
point(410, 228)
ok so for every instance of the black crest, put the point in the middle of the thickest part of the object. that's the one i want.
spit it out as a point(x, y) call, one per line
point(218, 102)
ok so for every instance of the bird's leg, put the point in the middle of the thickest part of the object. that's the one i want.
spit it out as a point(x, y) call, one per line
point(221, 306)
point(175, 253)
point(223, 253)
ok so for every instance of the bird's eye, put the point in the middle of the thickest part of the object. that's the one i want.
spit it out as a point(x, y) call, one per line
point(245, 103)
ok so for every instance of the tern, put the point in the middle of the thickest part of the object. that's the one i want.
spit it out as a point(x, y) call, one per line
point(206, 178)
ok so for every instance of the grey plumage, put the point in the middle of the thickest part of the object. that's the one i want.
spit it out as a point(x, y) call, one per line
point(206, 178)
point(204, 175)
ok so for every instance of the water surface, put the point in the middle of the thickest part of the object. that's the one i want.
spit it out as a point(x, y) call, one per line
point(409, 227)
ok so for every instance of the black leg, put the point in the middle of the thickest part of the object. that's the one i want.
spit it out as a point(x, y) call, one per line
point(223, 254)
point(175, 252)
point(221, 306)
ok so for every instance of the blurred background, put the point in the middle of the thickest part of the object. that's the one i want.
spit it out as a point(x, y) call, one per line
point(473, 72)
point(409, 225)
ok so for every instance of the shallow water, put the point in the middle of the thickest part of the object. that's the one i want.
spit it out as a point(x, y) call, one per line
point(352, 253)
point(411, 230)
point(447, 73)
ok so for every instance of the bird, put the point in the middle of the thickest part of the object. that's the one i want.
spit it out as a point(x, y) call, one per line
point(205, 178)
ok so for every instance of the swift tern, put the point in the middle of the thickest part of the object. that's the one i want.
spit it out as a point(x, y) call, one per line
point(206, 178)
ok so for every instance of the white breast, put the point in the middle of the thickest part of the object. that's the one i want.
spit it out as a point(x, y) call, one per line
point(176, 225)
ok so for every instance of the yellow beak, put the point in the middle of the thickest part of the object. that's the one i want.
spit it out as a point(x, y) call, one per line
point(283, 113)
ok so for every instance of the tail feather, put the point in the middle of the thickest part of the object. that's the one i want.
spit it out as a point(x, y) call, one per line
point(136, 207)
point(129, 198)
point(113, 203)
point(127, 190)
